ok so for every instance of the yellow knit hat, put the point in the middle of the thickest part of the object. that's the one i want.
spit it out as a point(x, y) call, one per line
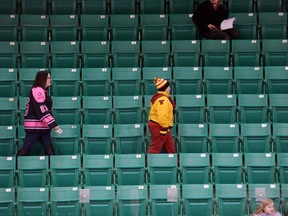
point(161, 84)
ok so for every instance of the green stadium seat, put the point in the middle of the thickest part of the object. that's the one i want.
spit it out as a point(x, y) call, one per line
point(181, 6)
point(34, 27)
point(68, 142)
point(126, 81)
point(249, 80)
point(129, 138)
point(128, 109)
point(253, 108)
point(97, 109)
point(275, 52)
point(65, 81)
point(156, 53)
point(162, 169)
point(216, 53)
point(102, 201)
point(193, 138)
point(124, 27)
point(154, 27)
point(152, 7)
point(7, 199)
point(190, 109)
point(96, 81)
point(240, 6)
point(186, 53)
point(94, 27)
point(64, 54)
point(164, 199)
point(63, 7)
point(282, 167)
point(94, 7)
point(221, 108)
point(32, 201)
point(124, 6)
point(33, 171)
point(246, 52)
point(98, 170)
point(260, 168)
point(188, 80)
point(270, 6)
point(125, 53)
point(182, 25)
point(65, 201)
point(130, 169)
point(256, 138)
point(8, 54)
point(245, 23)
point(276, 79)
point(273, 25)
point(227, 168)
point(280, 137)
point(7, 172)
point(8, 111)
point(97, 139)
point(34, 7)
point(65, 171)
point(66, 110)
point(197, 199)
point(22, 109)
point(146, 108)
point(8, 82)
point(218, 80)
point(284, 196)
point(7, 140)
point(9, 27)
point(224, 138)
point(278, 104)
point(8, 7)
point(231, 199)
point(195, 168)
point(26, 80)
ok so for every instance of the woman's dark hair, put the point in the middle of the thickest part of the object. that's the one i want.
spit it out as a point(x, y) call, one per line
point(40, 79)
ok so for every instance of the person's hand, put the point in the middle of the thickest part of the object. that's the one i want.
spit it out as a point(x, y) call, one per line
point(56, 128)
point(210, 26)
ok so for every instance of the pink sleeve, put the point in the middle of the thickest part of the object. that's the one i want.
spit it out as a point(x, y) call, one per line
point(39, 94)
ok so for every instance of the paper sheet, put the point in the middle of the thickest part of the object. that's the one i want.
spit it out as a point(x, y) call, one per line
point(227, 23)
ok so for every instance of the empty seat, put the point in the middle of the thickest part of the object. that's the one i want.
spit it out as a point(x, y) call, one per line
point(94, 27)
point(95, 54)
point(94, 7)
point(256, 138)
point(7, 140)
point(197, 198)
point(132, 200)
point(9, 54)
point(224, 138)
point(128, 109)
point(98, 170)
point(97, 109)
point(65, 201)
point(9, 27)
point(186, 53)
point(7, 172)
point(227, 168)
point(260, 168)
point(65, 81)
point(275, 52)
point(65, 171)
point(32, 201)
point(96, 81)
point(193, 138)
point(276, 79)
point(147, 107)
point(26, 80)
point(125, 53)
point(7, 200)
point(126, 81)
point(195, 168)
point(270, 6)
point(97, 139)
point(64, 54)
point(249, 80)
point(218, 80)
point(152, 7)
point(231, 199)
point(34, 27)
point(216, 53)
point(240, 6)
point(34, 7)
point(246, 24)
point(33, 171)
point(63, 7)
point(182, 25)
point(66, 110)
point(154, 27)
point(130, 169)
point(273, 25)
point(190, 109)
point(8, 82)
point(283, 167)
point(8, 111)
point(68, 142)
point(280, 137)
point(124, 27)
point(124, 6)
point(129, 138)
point(156, 53)
point(162, 169)
point(253, 108)
point(188, 80)
point(181, 6)
point(8, 7)
point(221, 108)
point(246, 52)
point(278, 104)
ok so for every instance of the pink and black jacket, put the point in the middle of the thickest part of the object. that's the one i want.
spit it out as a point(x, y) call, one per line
point(38, 114)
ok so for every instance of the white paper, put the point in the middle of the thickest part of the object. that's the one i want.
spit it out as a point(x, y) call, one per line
point(227, 23)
